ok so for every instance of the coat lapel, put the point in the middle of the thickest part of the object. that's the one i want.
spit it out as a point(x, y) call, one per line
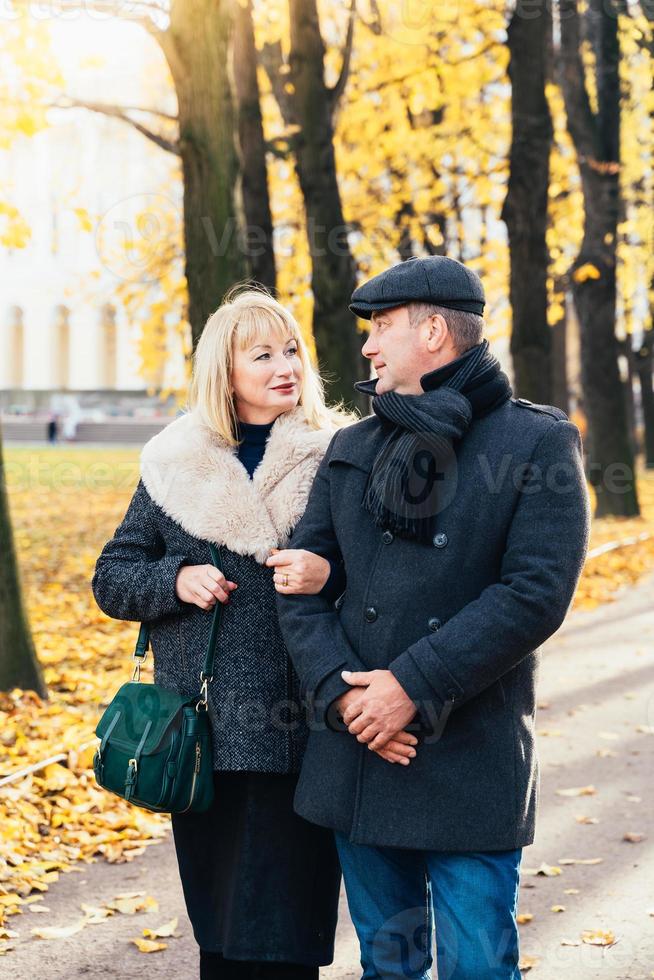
point(359, 444)
point(197, 480)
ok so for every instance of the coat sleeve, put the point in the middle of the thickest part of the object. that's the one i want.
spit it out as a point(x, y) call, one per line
point(314, 637)
point(335, 584)
point(134, 578)
point(542, 561)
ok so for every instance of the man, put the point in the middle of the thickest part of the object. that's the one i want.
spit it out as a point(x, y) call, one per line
point(461, 517)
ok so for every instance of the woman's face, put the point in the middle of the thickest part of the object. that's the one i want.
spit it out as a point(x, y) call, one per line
point(266, 378)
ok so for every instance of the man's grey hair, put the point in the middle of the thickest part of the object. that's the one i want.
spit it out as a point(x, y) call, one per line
point(466, 328)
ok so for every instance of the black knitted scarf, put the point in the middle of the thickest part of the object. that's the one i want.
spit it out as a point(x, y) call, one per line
point(409, 484)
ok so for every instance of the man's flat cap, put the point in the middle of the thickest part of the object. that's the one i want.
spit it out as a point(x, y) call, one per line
point(435, 279)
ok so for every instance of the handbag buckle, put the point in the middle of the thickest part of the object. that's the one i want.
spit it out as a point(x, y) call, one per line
point(202, 704)
point(140, 659)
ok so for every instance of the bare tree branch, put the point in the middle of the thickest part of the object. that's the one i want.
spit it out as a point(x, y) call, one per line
point(581, 119)
point(168, 116)
point(339, 87)
point(119, 112)
point(646, 7)
point(281, 147)
point(374, 25)
point(275, 68)
point(138, 12)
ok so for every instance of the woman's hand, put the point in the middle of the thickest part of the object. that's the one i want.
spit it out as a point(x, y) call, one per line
point(298, 572)
point(203, 585)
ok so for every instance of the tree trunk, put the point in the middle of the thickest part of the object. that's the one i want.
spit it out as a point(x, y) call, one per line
point(197, 47)
point(559, 357)
point(597, 142)
point(624, 346)
point(254, 176)
point(18, 664)
point(525, 206)
point(644, 367)
point(333, 276)
point(644, 359)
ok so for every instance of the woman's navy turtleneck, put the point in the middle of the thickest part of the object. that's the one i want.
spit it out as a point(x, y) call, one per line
point(252, 443)
point(252, 446)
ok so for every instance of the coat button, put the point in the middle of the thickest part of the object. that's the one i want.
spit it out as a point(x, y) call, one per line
point(371, 614)
point(387, 537)
point(440, 539)
point(434, 624)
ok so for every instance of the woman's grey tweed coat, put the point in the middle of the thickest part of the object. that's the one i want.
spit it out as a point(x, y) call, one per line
point(193, 489)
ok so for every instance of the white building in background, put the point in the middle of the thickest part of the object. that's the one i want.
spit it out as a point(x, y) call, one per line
point(60, 327)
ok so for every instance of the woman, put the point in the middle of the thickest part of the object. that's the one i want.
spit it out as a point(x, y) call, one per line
point(260, 883)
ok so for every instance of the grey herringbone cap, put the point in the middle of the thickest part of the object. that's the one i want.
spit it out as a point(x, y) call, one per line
point(435, 279)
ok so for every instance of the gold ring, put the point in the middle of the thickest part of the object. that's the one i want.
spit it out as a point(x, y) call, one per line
point(285, 582)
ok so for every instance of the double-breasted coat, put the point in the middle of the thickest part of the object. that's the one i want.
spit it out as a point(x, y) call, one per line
point(458, 622)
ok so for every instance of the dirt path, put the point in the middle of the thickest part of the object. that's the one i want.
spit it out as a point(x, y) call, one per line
point(597, 679)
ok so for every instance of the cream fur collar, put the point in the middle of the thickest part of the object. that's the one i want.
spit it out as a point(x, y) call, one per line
point(197, 479)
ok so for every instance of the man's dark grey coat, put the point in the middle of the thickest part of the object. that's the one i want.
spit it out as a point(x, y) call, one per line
point(458, 623)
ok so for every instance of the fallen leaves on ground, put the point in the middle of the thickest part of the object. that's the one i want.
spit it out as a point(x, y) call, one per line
point(96, 913)
point(132, 902)
point(148, 946)
point(59, 932)
point(162, 932)
point(598, 937)
point(604, 575)
point(566, 861)
point(126, 903)
point(65, 504)
point(548, 870)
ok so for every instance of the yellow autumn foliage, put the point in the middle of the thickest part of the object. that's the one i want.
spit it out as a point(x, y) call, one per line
point(422, 137)
point(28, 80)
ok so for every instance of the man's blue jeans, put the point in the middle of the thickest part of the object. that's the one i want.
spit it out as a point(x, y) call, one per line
point(394, 895)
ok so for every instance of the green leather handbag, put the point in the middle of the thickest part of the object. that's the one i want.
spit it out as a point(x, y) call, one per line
point(155, 749)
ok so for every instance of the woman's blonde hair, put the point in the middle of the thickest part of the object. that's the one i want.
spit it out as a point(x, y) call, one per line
point(246, 316)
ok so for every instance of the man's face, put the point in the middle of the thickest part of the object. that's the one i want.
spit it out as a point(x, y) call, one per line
point(401, 353)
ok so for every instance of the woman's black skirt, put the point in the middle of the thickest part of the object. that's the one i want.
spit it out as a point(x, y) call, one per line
point(260, 882)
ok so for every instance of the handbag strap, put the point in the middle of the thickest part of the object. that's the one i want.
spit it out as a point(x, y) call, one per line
point(143, 639)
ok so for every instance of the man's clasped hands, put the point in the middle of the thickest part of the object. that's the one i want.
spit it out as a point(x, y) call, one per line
point(376, 711)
